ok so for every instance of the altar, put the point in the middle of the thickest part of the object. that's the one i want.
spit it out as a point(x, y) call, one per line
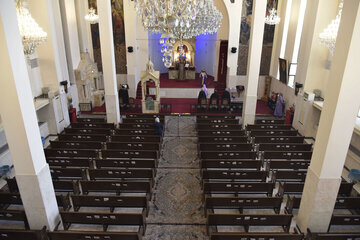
point(183, 67)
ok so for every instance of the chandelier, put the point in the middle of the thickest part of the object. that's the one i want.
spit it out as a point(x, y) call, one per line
point(328, 36)
point(272, 18)
point(92, 17)
point(31, 33)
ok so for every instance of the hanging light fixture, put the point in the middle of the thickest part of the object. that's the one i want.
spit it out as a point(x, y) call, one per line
point(272, 18)
point(328, 36)
point(31, 33)
point(92, 17)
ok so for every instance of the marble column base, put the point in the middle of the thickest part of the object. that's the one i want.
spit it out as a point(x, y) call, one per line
point(38, 197)
point(317, 203)
point(112, 108)
point(249, 110)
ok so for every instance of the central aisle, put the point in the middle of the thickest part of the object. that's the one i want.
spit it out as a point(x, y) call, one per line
point(176, 210)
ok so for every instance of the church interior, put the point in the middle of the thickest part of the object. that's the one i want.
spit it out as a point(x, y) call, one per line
point(180, 119)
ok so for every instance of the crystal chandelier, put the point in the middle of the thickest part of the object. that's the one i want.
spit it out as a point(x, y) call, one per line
point(272, 18)
point(328, 36)
point(92, 17)
point(31, 33)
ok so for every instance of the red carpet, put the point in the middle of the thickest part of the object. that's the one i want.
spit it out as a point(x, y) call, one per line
point(262, 108)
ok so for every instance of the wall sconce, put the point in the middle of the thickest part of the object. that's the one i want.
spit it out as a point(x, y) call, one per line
point(232, 1)
point(64, 83)
point(297, 87)
point(233, 50)
point(130, 49)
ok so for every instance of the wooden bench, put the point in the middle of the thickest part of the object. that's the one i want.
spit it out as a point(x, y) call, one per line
point(225, 147)
point(141, 120)
point(136, 132)
point(153, 116)
point(200, 117)
point(134, 163)
point(59, 185)
point(69, 162)
point(240, 164)
point(133, 146)
point(278, 139)
point(116, 186)
point(107, 131)
point(14, 215)
point(121, 174)
point(130, 154)
point(297, 188)
point(247, 220)
point(228, 155)
point(256, 236)
point(235, 175)
point(18, 234)
point(222, 126)
point(76, 144)
point(92, 125)
point(141, 126)
point(82, 137)
point(136, 139)
point(104, 219)
point(269, 121)
point(305, 155)
point(223, 133)
point(229, 139)
point(241, 203)
point(68, 173)
point(238, 188)
point(274, 133)
point(290, 175)
point(71, 153)
point(67, 235)
point(285, 164)
point(91, 120)
point(110, 201)
point(344, 220)
point(217, 121)
point(285, 147)
point(268, 126)
point(332, 236)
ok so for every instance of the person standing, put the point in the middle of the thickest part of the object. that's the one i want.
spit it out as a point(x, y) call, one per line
point(278, 112)
point(226, 95)
point(203, 77)
point(158, 127)
point(215, 95)
point(201, 95)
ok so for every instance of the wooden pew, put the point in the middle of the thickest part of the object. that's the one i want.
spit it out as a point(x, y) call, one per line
point(82, 137)
point(92, 125)
point(110, 201)
point(217, 121)
point(76, 144)
point(146, 116)
point(200, 117)
point(276, 133)
point(141, 126)
point(350, 203)
point(134, 163)
point(141, 120)
point(14, 215)
point(285, 164)
point(237, 188)
point(290, 175)
point(297, 188)
point(121, 174)
point(225, 147)
point(106, 131)
point(279, 139)
point(116, 186)
point(247, 220)
point(68, 173)
point(105, 219)
point(208, 127)
point(305, 155)
point(59, 185)
point(256, 236)
point(91, 120)
point(135, 139)
point(67, 235)
point(228, 155)
point(130, 154)
point(71, 153)
point(243, 164)
point(285, 147)
point(229, 139)
point(18, 234)
point(69, 162)
point(332, 236)
point(133, 146)
point(241, 203)
point(235, 175)
point(222, 133)
point(268, 127)
point(136, 132)
point(344, 220)
point(269, 121)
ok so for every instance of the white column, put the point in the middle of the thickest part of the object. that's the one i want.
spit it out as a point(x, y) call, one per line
point(253, 66)
point(84, 29)
point(22, 132)
point(336, 125)
point(108, 62)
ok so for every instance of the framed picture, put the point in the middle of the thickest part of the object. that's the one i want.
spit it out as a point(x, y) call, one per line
point(85, 107)
point(283, 70)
